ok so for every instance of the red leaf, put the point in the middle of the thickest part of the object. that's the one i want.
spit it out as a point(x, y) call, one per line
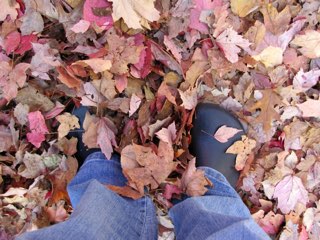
point(12, 42)
point(26, 44)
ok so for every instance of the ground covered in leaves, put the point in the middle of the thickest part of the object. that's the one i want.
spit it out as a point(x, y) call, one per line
point(141, 67)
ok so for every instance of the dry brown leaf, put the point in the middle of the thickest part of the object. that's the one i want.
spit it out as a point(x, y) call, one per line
point(67, 122)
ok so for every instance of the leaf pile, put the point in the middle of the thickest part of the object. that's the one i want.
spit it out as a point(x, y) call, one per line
point(141, 67)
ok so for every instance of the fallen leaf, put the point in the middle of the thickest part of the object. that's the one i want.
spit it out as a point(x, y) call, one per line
point(33, 166)
point(189, 98)
point(81, 27)
point(243, 149)
point(8, 7)
point(12, 42)
point(310, 108)
point(57, 213)
point(12, 78)
point(125, 191)
point(136, 13)
point(37, 127)
point(243, 7)
point(68, 78)
point(106, 137)
point(224, 133)
point(135, 102)
point(21, 113)
point(270, 56)
point(230, 42)
point(309, 43)
point(306, 80)
point(67, 122)
point(267, 114)
point(89, 14)
point(169, 134)
point(276, 22)
point(193, 181)
point(290, 191)
point(68, 146)
point(97, 64)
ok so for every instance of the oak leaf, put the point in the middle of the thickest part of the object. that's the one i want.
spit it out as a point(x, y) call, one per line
point(135, 13)
point(266, 105)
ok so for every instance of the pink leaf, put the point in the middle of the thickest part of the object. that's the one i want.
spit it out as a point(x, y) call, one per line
point(89, 15)
point(176, 52)
point(37, 127)
point(169, 190)
point(169, 134)
point(224, 133)
point(229, 41)
point(121, 82)
point(105, 138)
point(200, 7)
point(80, 27)
point(289, 192)
point(310, 108)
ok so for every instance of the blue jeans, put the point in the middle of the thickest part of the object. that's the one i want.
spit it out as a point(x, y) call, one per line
point(100, 213)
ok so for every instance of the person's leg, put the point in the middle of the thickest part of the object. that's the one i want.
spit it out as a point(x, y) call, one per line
point(220, 214)
point(100, 213)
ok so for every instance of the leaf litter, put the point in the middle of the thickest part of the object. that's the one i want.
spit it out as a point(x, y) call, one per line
point(142, 67)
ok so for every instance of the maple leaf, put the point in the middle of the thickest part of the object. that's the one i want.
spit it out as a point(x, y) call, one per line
point(276, 22)
point(8, 7)
point(289, 192)
point(143, 167)
point(193, 181)
point(229, 41)
point(12, 78)
point(169, 134)
point(309, 43)
point(189, 98)
point(37, 127)
point(266, 105)
point(106, 137)
point(67, 122)
point(243, 148)
point(135, 13)
point(224, 133)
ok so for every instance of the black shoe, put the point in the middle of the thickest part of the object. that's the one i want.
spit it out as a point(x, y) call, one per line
point(208, 151)
point(82, 151)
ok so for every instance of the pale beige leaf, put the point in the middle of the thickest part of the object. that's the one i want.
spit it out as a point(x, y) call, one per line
point(243, 7)
point(97, 64)
point(310, 108)
point(135, 102)
point(67, 122)
point(224, 133)
point(309, 43)
point(135, 13)
point(8, 7)
point(189, 98)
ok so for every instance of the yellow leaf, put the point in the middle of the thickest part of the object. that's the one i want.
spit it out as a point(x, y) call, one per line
point(243, 7)
point(309, 43)
point(135, 13)
point(270, 56)
point(67, 122)
point(242, 148)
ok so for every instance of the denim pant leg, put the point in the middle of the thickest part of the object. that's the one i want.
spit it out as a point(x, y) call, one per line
point(220, 214)
point(100, 213)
